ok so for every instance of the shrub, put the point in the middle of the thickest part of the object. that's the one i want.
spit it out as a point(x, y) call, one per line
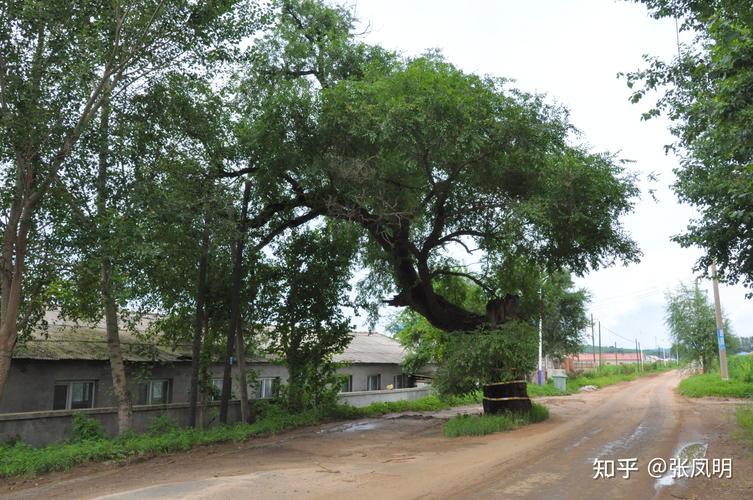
point(85, 429)
point(161, 424)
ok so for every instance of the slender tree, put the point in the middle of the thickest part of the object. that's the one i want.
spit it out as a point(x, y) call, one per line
point(59, 62)
point(691, 321)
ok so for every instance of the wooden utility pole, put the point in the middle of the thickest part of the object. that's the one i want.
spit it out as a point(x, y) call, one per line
point(615, 354)
point(600, 358)
point(593, 340)
point(719, 324)
point(637, 359)
point(640, 356)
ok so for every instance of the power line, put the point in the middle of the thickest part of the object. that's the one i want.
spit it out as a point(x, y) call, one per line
point(618, 335)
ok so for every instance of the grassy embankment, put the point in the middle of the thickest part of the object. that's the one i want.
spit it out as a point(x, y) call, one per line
point(90, 445)
point(479, 425)
point(739, 385)
point(606, 375)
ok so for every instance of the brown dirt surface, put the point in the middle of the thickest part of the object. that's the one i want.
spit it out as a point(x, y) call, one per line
point(399, 456)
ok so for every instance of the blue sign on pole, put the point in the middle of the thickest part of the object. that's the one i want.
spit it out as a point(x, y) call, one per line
point(720, 338)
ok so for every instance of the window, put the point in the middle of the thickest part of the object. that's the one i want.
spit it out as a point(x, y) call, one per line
point(216, 393)
point(73, 395)
point(374, 383)
point(154, 392)
point(400, 381)
point(266, 387)
point(347, 384)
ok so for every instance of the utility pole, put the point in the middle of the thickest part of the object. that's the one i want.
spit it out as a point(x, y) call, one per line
point(637, 359)
point(600, 358)
point(640, 356)
point(719, 324)
point(541, 331)
point(615, 353)
point(593, 340)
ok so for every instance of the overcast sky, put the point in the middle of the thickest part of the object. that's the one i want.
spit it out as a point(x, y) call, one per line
point(572, 51)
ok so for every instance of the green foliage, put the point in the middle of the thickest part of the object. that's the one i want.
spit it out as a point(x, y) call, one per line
point(424, 159)
point(163, 437)
point(707, 93)
point(480, 425)
point(739, 385)
point(306, 289)
point(741, 368)
point(711, 384)
point(691, 321)
point(161, 424)
point(563, 310)
point(473, 359)
point(85, 429)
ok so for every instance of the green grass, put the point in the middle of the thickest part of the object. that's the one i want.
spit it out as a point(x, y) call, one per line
point(745, 422)
point(480, 425)
point(22, 459)
point(428, 403)
point(739, 385)
point(604, 376)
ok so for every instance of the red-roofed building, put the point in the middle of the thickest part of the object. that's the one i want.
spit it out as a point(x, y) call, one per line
point(587, 360)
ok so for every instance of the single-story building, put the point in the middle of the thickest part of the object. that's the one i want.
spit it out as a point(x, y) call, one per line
point(587, 360)
point(65, 370)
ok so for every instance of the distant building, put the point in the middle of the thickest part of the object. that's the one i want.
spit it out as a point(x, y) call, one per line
point(586, 360)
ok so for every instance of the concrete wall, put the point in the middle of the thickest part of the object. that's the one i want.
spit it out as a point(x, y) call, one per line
point(31, 383)
point(361, 372)
point(40, 428)
point(365, 398)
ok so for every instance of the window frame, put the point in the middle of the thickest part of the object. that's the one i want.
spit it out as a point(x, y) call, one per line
point(263, 383)
point(347, 384)
point(217, 388)
point(378, 378)
point(69, 393)
point(150, 384)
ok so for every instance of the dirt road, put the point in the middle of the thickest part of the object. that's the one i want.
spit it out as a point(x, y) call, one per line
point(409, 458)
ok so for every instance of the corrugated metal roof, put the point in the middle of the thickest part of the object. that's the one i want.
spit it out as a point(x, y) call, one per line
point(66, 340)
point(372, 348)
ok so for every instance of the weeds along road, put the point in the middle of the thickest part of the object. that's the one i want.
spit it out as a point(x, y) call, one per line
point(407, 457)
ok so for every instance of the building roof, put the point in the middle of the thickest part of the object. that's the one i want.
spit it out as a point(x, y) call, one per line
point(621, 356)
point(67, 340)
point(372, 348)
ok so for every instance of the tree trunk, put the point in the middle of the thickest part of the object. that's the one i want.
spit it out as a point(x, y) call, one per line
point(198, 326)
point(295, 402)
point(13, 265)
point(246, 413)
point(205, 376)
point(235, 300)
point(117, 366)
point(226, 379)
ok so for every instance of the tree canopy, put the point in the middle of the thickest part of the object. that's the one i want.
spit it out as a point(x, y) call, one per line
point(691, 321)
point(707, 92)
point(429, 161)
